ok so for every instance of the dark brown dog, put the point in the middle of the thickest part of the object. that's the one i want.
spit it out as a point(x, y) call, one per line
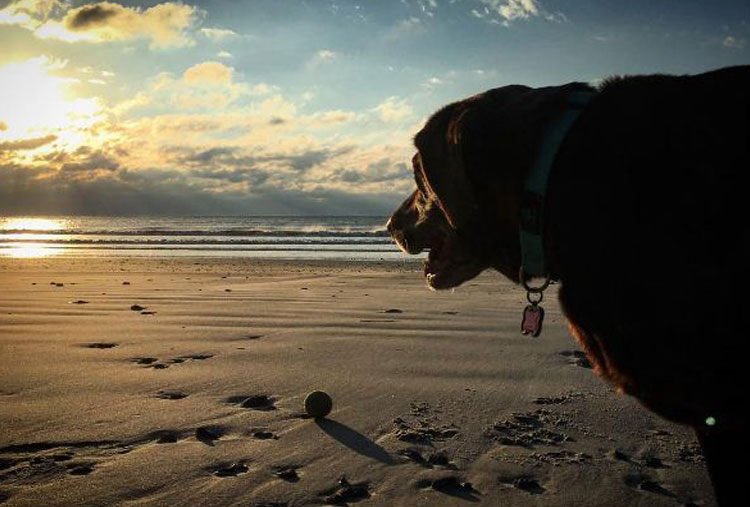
point(644, 227)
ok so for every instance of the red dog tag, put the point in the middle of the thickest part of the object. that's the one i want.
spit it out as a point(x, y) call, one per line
point(531, 323)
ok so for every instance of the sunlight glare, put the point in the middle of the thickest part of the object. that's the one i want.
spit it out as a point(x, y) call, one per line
point(34, 100)
point(28, 250)
point(31, 224)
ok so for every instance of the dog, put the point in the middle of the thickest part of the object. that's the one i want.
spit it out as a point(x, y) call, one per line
point(642, 223)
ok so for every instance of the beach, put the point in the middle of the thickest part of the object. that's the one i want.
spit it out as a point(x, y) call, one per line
point(181, 381)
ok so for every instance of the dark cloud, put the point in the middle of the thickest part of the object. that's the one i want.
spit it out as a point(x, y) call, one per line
point(26, 144)
point(210, 156)
point(90, 15)
point(162, 192)
point(253, 177)
point(379, 172)
point(229, 157)
point(83, 159)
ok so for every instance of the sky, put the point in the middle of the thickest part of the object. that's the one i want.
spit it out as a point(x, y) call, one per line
point(292, 107)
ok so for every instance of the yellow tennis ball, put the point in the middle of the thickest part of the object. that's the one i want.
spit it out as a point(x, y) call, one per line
point(318, 404)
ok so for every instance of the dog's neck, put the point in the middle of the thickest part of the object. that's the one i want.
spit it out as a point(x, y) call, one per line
point(533, 261)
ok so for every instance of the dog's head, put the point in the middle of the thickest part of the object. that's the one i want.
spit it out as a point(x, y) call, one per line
point(471, 161)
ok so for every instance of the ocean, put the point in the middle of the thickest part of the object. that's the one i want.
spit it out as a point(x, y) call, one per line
point(271, 237)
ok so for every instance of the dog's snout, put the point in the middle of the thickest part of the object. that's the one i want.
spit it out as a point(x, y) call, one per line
point(394, 225)
point(399, 235)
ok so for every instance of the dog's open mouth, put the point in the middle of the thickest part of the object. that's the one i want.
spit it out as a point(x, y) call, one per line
point(446, 267)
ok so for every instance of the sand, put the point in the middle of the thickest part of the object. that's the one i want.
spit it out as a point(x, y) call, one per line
point(181, 382)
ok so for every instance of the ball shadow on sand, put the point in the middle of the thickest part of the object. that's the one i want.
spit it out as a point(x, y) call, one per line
point(354, 440)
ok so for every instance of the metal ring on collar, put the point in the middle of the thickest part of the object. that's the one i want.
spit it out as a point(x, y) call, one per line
point(524, 280)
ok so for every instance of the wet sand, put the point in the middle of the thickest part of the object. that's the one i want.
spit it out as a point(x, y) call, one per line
point(181, 382)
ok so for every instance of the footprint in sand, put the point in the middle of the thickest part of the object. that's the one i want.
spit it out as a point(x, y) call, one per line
point(100, 345)
point(165, 436)
point(81, 468)
point(525, 483)
point(171, 395)
point(450, 485)
point(253, 401)
point(345, 492)
point(231, 470)
point(264, 435)
point(287, 473)
point(438, 458)
point(208, 435)
point(577, 358)
point(529, 429)
point(644, 483)
point(143, 360)
point(557, 400)
point(197, 357)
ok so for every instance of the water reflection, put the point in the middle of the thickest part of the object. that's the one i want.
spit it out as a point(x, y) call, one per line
point(20, 236)
point(28, 250)
point(31, 224)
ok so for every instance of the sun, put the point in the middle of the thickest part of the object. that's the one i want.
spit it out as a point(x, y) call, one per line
point(35, 102)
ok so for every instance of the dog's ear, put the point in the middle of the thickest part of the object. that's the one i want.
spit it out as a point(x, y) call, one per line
point(459, 148)
point(441, 163)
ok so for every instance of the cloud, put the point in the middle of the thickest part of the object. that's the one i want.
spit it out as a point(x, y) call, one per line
point(218, 34)
point(210, 73)
point(393, 110)
point(205, 86)
point(321, 57)
point(513, 9)
point(165, 24)
point(733, 42)
point(30, 14)
point(404, 28)
point(503, 12)
point(25, 144)
point(224, 54)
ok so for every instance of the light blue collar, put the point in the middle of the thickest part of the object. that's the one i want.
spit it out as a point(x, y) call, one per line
point(535, 190)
